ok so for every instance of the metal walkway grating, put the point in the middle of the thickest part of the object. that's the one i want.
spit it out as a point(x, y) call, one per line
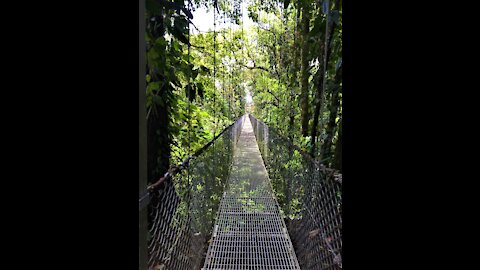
point(249, 232)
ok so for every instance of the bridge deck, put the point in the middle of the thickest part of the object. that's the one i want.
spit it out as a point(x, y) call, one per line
point(249, 232)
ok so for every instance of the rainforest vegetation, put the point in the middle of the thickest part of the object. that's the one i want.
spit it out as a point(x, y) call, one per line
point(289, 61)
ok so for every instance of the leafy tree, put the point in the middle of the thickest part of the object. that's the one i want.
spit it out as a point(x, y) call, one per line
point(290, 61)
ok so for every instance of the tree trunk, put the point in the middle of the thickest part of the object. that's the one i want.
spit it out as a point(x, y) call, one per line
point(337, 162)
point(158, 140)
point(293, 83)
point(334, 104)
point(325, 52)
point(318, 105)
point(304, 69)
point(291, 122)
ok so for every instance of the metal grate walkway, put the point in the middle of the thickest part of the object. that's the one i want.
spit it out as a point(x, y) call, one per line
point(249, 232)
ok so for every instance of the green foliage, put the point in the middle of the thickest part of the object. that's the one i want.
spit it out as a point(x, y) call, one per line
point(202, 84)
point(180, 79)
point(277, 42)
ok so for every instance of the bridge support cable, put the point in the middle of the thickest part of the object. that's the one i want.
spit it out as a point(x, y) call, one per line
point(182, 204)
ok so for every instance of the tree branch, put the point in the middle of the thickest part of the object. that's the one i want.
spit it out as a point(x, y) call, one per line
point(198, 47)
point(269, 103)
point(269, 30)
point(256, 67)
point(270, 92)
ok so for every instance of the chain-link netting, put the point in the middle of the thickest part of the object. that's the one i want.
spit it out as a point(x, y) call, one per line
point(182, 209)
point(309, 196)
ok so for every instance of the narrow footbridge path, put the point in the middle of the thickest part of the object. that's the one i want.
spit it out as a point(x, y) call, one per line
point(249, 232)
point(249, 199)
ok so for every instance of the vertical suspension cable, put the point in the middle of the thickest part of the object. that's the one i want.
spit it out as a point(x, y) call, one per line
point(243, 53)
point(231, 67)
point(214, 66)
point(263, 73)
point(189, 86)
point(258, 42)
point(223, 58)
point(189, 127)
point(214, 86)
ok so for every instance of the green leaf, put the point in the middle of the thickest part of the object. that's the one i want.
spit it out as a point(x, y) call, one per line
point(180, 36)
point(152, 55)
point(160, 43)
point(153, 86)
point(188, 13)
point(205, 70)
point(180, 23)
point(158, 100)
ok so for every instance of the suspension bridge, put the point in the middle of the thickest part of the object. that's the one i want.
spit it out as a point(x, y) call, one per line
point(249, 199)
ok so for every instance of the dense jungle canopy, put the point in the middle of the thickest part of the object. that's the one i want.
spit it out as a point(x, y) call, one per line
point(285, 68)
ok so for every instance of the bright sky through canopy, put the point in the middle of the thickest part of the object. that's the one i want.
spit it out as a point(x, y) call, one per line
point(248, 97)
point(203, 19)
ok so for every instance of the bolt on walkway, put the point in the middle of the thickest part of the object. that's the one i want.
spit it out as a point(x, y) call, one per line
point(249, 232)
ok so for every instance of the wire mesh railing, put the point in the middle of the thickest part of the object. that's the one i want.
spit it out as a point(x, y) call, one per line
point(309, 196)
point(183, 204)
